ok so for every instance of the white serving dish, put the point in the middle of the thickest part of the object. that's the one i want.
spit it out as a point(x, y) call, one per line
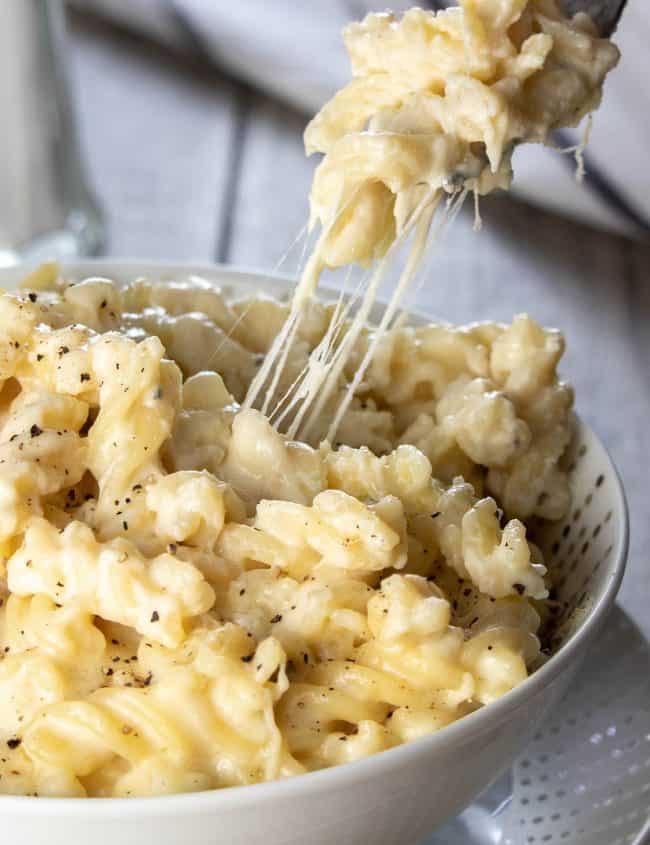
point(400, 796)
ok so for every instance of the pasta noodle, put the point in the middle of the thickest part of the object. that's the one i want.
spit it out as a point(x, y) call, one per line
point(191, 600)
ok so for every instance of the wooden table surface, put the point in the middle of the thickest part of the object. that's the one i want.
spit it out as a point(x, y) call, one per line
point(189, 165)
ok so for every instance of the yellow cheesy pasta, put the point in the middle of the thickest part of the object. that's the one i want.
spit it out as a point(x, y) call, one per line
point(191, 600)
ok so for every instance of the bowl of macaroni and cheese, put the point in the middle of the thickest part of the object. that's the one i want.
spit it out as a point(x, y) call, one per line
point(361, 631)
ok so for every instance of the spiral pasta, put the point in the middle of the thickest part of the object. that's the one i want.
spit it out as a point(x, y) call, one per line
point(111, 579)
point(206, 722)
point(190, 600)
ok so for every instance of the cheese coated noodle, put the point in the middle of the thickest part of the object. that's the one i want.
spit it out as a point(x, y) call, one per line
point(191, 600)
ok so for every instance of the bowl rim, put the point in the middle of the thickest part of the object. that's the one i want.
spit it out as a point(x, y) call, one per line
point(343, 775)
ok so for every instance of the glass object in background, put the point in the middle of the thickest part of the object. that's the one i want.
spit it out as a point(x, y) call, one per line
point(46, 209)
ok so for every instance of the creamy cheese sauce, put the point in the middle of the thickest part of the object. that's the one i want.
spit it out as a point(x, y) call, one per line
point(190, 600)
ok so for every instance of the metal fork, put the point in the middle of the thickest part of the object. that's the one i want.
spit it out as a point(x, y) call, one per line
point(605, 13)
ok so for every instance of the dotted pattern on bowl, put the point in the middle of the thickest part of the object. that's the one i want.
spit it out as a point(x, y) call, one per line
point(577, 550)
point(585, 777)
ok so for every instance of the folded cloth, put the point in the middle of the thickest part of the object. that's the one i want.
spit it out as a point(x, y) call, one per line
point(294, 52)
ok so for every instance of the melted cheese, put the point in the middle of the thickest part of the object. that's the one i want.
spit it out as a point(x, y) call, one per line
point(437, 104)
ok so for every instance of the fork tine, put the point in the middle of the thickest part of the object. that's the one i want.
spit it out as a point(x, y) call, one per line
point(605, 13)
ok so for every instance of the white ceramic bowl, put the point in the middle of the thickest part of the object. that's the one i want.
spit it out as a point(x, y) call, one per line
point(399, 796)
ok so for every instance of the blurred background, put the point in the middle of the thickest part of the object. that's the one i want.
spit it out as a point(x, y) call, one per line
point(191, 114)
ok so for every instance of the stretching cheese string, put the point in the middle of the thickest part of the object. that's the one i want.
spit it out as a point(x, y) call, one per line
point(311, 390)
point(421, 117)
